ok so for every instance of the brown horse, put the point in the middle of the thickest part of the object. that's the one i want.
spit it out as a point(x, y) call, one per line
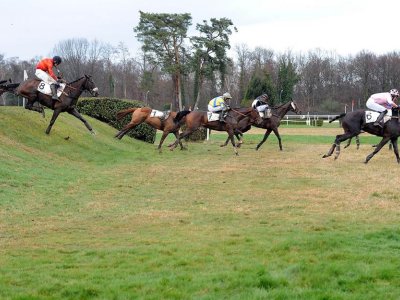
point(69, 98)
point(143, 114)
point(271, 124)
point(234, 116)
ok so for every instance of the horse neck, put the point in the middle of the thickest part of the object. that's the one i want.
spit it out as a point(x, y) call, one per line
point(75, 88)
point(283, 110)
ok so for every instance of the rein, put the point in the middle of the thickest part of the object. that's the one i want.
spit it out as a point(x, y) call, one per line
point(238, 112)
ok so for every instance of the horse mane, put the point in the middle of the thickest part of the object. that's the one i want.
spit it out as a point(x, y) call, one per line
point(180, 115)
point(76, 80)
point(280, 105)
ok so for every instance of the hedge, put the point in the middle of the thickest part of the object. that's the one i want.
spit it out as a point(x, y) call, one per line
point(105, 110)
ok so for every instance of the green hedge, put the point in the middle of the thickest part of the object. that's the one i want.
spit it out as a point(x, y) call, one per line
point(105, 110)
point(200, 134)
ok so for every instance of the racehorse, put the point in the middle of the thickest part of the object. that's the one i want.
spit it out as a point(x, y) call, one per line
point(271, 124)
point(354, 122)
point(7, 87)
point(69, 98)
point(144, 114)
point(200, 118)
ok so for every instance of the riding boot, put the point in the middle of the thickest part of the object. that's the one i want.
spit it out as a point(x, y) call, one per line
point(380, 118)
point(222, 116)
point(53, 88)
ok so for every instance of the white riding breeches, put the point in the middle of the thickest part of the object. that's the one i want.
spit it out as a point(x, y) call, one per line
point(44, 76)
point(371, 104)
point(261, 108)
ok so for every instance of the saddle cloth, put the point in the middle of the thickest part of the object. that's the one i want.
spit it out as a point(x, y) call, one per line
point(44, 88)
point(159, 114)
point(371, 116)
point(212, 116)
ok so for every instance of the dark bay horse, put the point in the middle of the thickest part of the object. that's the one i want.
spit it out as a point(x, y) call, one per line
point(143, 114)
point(354, 122)
point(7, 87)
point(271, 124)
point(69, 98)
point(197, 119)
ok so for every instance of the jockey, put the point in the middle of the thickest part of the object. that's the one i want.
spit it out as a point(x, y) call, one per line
point(218, 105)
point(44, 71)
point(260, 103)
point(383, 102)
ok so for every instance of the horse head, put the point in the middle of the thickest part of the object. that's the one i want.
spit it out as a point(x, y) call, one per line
point(90, 86)
point(294, 107)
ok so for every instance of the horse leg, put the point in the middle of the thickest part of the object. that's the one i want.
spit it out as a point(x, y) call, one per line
point(53, 119)
point(264, 139)
point(336, 145)
point(164, 135)
point(180, 137)
point(232, 138)
point(275, 130)
point(29, 106)
point(125, 130)
point(393, 142)
point(357, 142)
point(76, 114)
point(238, 136)
point(348, 143)
point(377, 148)
point(180, 142)
point(330, 151)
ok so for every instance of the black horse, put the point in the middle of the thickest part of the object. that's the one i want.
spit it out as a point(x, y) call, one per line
point(69, 98)
point(271, 124)
point(354, 122)
point(7, 86)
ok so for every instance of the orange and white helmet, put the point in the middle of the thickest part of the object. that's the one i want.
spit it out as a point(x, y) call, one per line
point(394, 92)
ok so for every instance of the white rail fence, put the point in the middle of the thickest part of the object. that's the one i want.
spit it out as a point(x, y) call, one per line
point(308, 117)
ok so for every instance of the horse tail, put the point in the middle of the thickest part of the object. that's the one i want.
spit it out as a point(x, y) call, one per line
point(124, 112)
point(180, 115)
point(337, 117)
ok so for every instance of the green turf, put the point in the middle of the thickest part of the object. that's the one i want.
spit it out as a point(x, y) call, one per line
point(92, 217)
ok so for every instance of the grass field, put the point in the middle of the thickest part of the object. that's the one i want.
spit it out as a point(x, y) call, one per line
point(92, 217)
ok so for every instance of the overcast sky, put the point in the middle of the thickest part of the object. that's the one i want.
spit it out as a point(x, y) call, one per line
point(32, 28)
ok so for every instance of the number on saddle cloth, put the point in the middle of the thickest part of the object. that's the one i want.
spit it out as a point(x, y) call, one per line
point(372, 116)
point(44, 88)
point(159, 114)
point(212, 116)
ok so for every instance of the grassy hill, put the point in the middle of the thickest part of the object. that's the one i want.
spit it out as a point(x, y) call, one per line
point(92, 217)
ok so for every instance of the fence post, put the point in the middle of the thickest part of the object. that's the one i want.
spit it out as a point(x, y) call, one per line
point(25, 78)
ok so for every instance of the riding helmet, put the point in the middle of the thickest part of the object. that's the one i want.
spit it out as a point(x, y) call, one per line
point(394, 92)
point(57, 60)
point(227, 96)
